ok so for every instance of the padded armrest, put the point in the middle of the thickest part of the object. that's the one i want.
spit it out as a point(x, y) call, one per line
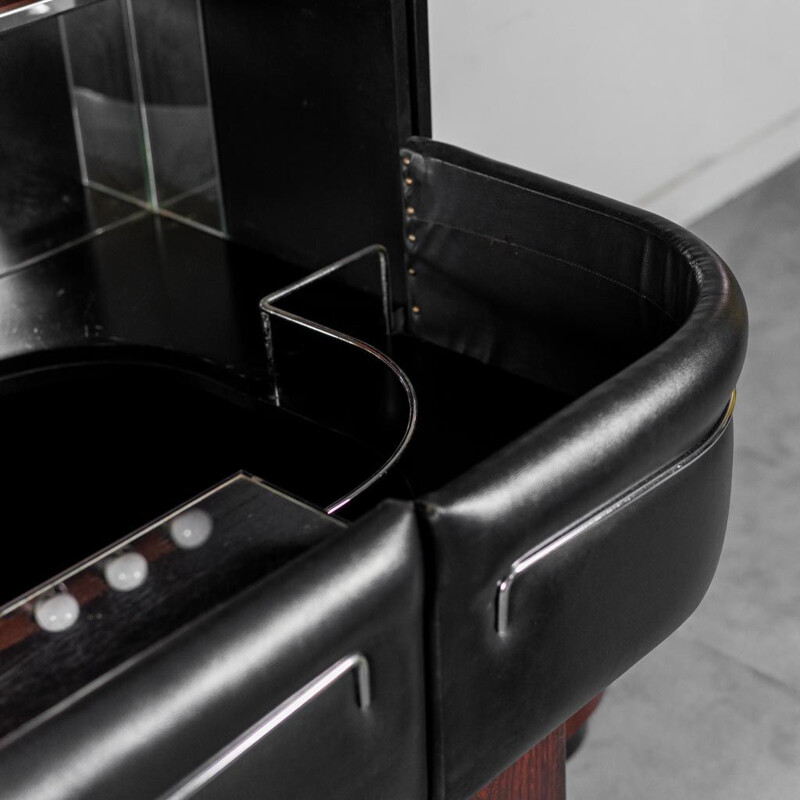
point(617, 505)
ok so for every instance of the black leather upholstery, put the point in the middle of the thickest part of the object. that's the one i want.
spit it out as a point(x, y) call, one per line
point(648, 326)
point(607, 516)
point(633, 317)
point(140, 730)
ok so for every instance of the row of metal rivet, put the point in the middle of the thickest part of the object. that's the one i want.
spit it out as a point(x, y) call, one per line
point(410, 212)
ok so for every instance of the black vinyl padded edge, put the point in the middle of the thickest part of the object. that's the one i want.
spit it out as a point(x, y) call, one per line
point(471, 223)
point(141, 729)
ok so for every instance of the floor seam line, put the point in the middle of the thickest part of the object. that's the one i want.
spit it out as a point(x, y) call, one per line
point(771, 679)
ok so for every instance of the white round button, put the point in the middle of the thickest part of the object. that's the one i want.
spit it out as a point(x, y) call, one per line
point(191, 529)
point(56, 612)
point(126, 572)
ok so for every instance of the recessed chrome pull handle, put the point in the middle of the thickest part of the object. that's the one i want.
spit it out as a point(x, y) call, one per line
point(533, 556)
point(220, 761)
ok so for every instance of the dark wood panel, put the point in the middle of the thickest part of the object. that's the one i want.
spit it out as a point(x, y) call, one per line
point(311, 104)
point(576, 722)
point(538, 775)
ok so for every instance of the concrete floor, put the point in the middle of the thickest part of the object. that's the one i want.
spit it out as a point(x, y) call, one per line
point(714, 712)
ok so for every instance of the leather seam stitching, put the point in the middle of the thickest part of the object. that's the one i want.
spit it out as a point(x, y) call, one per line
point(554, 258)
point(660, 235)
point(543, 195)
point(424, 525)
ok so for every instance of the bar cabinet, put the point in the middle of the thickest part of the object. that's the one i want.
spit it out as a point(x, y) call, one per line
point(339, 462)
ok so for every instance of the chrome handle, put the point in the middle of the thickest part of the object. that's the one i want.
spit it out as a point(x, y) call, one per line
point(533, 556)
point(228, 755)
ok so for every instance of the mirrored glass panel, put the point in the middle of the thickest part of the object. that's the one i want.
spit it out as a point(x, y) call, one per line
point(171, 66)
point(105, 114)
point(46, 200)
point(105, 100)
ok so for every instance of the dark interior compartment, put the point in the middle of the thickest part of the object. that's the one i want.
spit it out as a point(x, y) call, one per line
point(132, 358)
point(98, 450)
point(133, 366)
point(43, 202)
point(114, 431)
point(561, 291)
point(119, 439)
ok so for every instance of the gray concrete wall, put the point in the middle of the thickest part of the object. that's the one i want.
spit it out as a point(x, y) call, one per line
point(676, 106)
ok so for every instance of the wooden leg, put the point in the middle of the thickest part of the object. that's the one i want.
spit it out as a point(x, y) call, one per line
point(538, 775)
point(576, 725)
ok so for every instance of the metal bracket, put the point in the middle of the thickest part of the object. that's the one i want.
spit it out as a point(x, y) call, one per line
point(269, 309)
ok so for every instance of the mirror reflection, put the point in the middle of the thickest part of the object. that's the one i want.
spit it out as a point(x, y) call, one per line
point(104, 114)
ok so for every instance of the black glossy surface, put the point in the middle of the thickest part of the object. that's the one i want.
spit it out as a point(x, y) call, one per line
point(36, 129)
point(467, 411)
point(171, 395)
point(42, 202)
point(109, 447)
point(419, 57)
point(153, 283)
point(311, 102)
